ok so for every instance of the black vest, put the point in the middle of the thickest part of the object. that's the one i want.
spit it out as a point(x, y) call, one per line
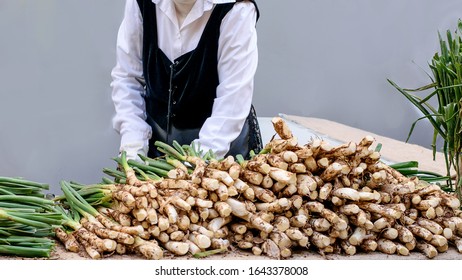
point(179, 95)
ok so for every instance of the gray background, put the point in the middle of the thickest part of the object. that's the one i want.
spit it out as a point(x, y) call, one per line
point(318, 58)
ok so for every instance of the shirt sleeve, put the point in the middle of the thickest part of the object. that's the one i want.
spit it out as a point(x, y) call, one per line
point(237, 64)
point(128, 81)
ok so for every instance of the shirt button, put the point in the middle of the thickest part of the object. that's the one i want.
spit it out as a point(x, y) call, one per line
point(178, 35)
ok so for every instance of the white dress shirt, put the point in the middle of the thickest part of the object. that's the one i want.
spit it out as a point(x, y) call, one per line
point(237, 64)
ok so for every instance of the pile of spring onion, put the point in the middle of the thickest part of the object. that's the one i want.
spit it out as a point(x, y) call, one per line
point(27, 219)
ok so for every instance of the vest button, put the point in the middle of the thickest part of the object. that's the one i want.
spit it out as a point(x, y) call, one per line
point(174, 102)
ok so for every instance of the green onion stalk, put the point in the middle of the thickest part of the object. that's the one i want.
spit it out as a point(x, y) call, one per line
point(134, 172)
point(18, 222)
point(94, 231)
point(411, 169)
point(190, 156)
point(446, 91)
point(27, 219)
point(240, 159)
point(81, 206)
point(19, 186)
point(185, 157)
point(26, 246)
point(209, 253)
point(94, 194)
point(104, 195)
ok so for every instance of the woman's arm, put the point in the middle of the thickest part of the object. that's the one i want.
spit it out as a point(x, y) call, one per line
point(128, 84)
point(237, 64)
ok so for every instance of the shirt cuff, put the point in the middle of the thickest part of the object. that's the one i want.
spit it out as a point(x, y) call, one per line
point(138, 139)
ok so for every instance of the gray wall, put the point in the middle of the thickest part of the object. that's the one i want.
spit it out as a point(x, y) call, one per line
point(318, 58)
point(331, 59)
point(55, 106)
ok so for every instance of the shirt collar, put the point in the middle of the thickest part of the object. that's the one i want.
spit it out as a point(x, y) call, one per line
point(208, 4)
point(211, 1)
point(197, 11)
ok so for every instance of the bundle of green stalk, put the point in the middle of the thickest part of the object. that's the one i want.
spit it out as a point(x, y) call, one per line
point(99, 234)
point(27, 219)
point(178, 207)
point(136, 204)
point(289, 197)
point(441, 104)
point(179, 200)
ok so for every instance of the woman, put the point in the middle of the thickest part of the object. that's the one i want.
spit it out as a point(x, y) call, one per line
point(185, 71)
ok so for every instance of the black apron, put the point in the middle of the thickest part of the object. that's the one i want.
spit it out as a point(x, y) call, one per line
point(179, 95)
